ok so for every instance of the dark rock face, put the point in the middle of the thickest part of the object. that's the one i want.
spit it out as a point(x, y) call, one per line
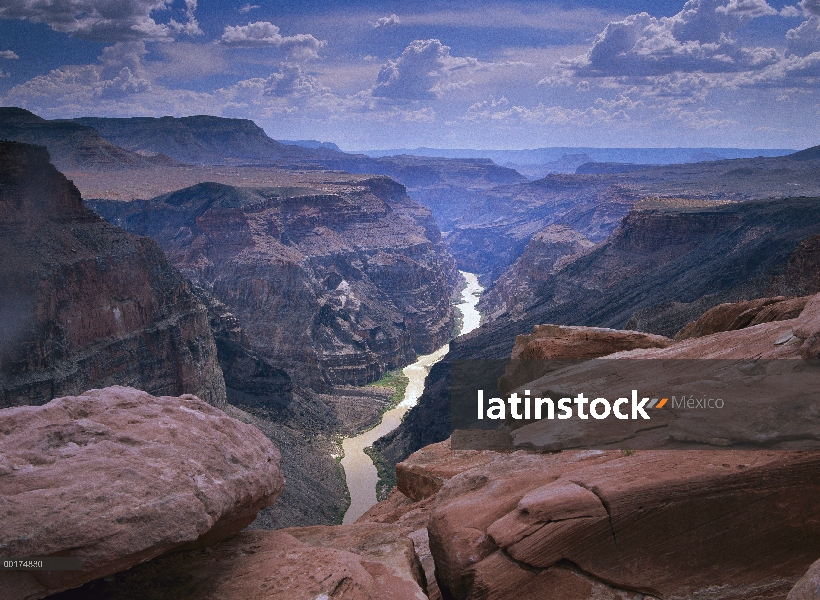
point(664, 266)
point(72, 146)
point(334, 285)
point(85, 304)
point(515, 289)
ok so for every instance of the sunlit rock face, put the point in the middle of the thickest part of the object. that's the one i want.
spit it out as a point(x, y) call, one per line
point(336, 285)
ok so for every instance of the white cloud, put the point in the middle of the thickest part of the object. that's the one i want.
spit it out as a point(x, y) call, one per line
point(790, 11)
point(263, 33)
point(698, 38)
point(804, 39)
point(190, 25)
point(390, 21)
point(750, 9)
point(248, 8)
point(9, 54)
point(102, 20)
point(421, 71)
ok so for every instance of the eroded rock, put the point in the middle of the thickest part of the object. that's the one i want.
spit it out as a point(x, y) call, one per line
point(116, 477)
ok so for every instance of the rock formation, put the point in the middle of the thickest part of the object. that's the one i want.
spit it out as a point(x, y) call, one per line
point(72, 146)
point(575, 525)
point(335, 285)
point(808, 588)
point(201, 140)
point(731, 316)
point(347, 562)
point(85, 304)
point(664, 266)
point(115, 477)
point(514, 291)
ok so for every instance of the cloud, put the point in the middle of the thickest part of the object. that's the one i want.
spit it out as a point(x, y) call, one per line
point(698, 38)
point(248, 8)
point(810, 7)
point(804, 39)
point(390, 21)
point(790, 11)
point(119, 73)
point(10, 54)
point(420, 72)
point(750, 9)
point(263, 33)
point(102, 20)
point(190, 26)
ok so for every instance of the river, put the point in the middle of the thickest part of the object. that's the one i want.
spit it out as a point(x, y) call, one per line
point(359, 470)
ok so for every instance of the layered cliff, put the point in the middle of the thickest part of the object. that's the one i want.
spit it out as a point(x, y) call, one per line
point(336, 284)
point(86, 304)
point(665, 265)
point(515, 289)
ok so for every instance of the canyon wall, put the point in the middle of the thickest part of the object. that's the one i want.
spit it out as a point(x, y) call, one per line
point(665, 265)
point(86, 304)
point(336, 284)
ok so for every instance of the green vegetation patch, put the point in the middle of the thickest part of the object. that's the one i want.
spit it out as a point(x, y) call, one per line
point(387, 474)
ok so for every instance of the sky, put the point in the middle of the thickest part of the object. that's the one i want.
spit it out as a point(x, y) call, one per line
point(501, 74)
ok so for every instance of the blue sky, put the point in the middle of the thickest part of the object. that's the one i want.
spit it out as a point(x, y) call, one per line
point(456, 74)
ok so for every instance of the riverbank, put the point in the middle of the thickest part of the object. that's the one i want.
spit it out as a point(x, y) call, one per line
point(360, 472)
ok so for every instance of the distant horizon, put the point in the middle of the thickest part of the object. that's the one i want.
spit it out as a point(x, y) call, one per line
point(483, 74)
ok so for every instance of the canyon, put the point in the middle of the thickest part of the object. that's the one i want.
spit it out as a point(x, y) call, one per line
point(255, 295)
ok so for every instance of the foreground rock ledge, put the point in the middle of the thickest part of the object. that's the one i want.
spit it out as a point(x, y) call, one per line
point(117, 477)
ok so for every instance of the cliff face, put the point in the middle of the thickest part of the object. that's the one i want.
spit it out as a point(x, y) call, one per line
point(86, 304)
point(336, 284)
point(665, 265)
point(514, 290)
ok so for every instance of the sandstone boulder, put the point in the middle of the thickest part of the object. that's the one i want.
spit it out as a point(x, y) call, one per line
point(738, 315)
point(116, 477)
point(665, 524)
point(563, 342)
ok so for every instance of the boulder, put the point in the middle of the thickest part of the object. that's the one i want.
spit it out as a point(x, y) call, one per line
point(593, 524)
point(563, 342)
point(116, 477)
point(738, 315)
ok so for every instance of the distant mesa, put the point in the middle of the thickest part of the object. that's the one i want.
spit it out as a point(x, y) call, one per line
point(72, 146)
point(311, 144)
point(596, 168)
point(202, 140)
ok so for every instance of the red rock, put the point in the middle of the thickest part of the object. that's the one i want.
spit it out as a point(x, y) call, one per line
point(423, 473)
point(116, 477)
point(556, 342)
point(273, 565)
point(738, 315)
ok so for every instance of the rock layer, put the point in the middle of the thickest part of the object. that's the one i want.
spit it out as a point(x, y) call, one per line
point(336, 285)
point(666, 264)
point(547, 250)
point(86, 304)
point(116, 477)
